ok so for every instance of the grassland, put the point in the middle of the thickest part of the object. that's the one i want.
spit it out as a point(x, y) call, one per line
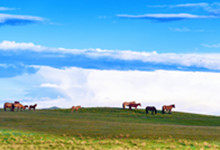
point(107, 128)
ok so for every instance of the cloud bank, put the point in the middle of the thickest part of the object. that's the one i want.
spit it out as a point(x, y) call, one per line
point(31, 54)
point(191, 91)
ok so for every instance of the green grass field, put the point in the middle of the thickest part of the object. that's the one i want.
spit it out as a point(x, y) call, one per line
point(107, 128)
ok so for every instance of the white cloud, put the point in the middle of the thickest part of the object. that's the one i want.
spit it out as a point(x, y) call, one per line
point(196, 92)
point(166, 17)
point(212, 45)
point(7, 19)
point(206, 60)
point(6, 8)
point(185, 29)
point(12, 45)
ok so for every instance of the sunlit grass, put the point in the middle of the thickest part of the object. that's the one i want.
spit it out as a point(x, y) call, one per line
point(107, 128)
point(22, 140)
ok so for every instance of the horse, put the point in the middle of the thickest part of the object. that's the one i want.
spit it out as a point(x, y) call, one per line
point(167, 108)
point(134, 105)
point(33, 107)
point(76, 108)
point(25, 106)
point(152, 109)
point(9, 105)
point(19, 106)
point(127, 104)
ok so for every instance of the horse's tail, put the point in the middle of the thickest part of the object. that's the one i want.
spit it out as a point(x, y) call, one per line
point(163, 110)
point(12, 107)
point(4, 107)
point(146, 110)
point(123, 105)
point(155, 110)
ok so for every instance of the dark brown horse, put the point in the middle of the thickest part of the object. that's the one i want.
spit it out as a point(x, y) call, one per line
point(9, 105)
point(152, 109)
point(167, 108)
point(134, 105)
point(33, 107)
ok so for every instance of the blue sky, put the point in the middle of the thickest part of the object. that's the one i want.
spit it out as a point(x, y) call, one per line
point(95, 24)
point(52, 50)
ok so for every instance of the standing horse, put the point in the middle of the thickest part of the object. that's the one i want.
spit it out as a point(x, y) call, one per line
point(152, 109)
point(33, 107)
point(127, 104)
point(75, 108)
point(134, 105)
point(167, 108)
point(9, 105)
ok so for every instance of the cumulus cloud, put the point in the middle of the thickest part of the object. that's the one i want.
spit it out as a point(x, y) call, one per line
point(7, 19)
point(191, 91)
point(166, 17)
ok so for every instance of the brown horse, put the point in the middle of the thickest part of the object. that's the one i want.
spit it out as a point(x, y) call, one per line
point(25, 106)
point(9, 105)
point(167, 108)
point(134, 105)
point(76, 108)
point(127, 104)
point(33, 107)
point(19, 106)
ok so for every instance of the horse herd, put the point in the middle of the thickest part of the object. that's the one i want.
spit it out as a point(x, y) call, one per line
point(17, 105)
point(148, 108)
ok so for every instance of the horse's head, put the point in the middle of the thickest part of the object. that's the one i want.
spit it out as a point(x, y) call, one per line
point(35, 105)
point(173, 105)
point(139, 104)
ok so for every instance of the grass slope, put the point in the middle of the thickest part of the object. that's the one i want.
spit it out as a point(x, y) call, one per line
point(100, 128)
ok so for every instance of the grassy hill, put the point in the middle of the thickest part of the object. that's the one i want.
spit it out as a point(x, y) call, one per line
point(98, 128)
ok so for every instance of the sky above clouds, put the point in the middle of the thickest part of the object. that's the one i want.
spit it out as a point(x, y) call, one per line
point(101, 53)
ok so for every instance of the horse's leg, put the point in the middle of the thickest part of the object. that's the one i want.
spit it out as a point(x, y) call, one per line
point(146, 111)
point(130, 107)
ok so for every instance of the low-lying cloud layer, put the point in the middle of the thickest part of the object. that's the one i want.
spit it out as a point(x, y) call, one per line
point(191, 91)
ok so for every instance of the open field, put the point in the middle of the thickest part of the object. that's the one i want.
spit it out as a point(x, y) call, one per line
point(98, 128)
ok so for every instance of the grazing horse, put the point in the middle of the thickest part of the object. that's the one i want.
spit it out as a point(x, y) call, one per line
point(134, 105)
point(167, 108)
point(75, 108)
point(127, 104)
point(25, 106)
point(9, 105)
point(33, 107)
point(19, 106)
point(152, 109)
